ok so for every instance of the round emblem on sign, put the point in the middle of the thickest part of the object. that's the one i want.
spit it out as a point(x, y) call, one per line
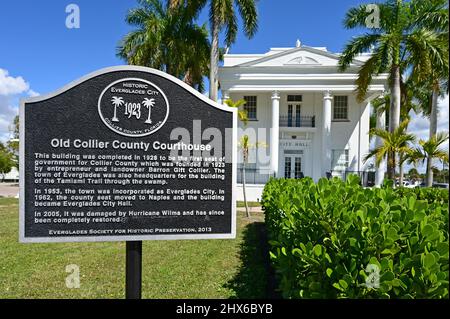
point(133, 107)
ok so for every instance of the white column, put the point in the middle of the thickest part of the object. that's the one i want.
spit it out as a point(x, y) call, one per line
point(326, 133)
point(275, 132)
point(381, 170)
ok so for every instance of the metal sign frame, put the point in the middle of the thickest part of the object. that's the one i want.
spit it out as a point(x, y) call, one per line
point(176, 81)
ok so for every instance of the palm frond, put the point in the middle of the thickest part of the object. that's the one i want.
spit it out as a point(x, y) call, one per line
point(365, 75)
point(430, 14)
point(356, 46)
point(379, 153)
point(231, 24)
point(249, 14)
point(428, 54)
point(167, 38)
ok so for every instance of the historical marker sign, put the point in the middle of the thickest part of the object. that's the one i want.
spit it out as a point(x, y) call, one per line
point(126, 153)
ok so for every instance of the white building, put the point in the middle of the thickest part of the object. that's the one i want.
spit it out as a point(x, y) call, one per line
point(314, 126)
point(12, 176)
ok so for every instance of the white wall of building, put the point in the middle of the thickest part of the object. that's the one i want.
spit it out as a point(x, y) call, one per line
point(351, 134)
point(253, 192)
point(258, 131)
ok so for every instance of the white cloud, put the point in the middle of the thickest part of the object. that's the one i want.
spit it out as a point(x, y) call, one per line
point(12, 85)
point(11, 90)
point(7, 114)
point(32, 93)
point(420, 125)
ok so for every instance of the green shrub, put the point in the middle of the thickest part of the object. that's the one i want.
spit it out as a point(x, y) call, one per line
point(431, 195)
point(331, 239)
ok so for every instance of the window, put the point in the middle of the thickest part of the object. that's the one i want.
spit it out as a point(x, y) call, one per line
point(287, 167)
point(250, 107)
point(340, 161)
point(294, 98)
point(340, 110)
point(295, 152)
point(290, 115)
point(298, 167)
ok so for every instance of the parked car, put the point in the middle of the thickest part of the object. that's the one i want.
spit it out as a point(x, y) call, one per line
point(407, 184)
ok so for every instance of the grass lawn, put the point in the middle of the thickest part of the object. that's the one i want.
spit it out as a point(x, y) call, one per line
point(171, 269)
point(250, 204)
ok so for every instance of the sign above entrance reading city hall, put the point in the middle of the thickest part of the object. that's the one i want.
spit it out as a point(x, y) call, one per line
point(126, 153)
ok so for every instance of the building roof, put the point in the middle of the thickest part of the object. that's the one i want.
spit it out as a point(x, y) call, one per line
point(302, 68)
point(302, 55)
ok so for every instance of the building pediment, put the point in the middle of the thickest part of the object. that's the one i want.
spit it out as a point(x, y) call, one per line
point(301, 56)
point(302, 60)
point(302, 68)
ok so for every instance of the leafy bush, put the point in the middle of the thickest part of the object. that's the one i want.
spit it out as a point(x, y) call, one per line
point(431, 195)
point(335, 239)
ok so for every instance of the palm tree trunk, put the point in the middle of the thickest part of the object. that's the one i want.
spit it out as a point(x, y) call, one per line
point(149, 118)
point(381, 169)
point(114, 119)
point(247, 212)
point(401, 170)
point(433, 131)
point(434, 113)
point(214, 64)
point(429, 182)
point(391, 166)
point(394, 112)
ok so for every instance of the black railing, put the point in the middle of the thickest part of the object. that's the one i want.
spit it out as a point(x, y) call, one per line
point(297, 121)
point(254, 176)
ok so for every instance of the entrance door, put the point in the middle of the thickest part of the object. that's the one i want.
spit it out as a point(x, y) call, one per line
point(294, 117)
point(293, 166)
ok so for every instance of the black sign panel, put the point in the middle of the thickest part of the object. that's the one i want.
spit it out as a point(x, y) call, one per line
point(126, 153)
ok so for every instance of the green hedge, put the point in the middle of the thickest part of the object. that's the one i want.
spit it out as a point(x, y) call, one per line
point(335, 239)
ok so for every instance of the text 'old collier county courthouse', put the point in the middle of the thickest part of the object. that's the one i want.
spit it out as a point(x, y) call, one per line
point(317, 126)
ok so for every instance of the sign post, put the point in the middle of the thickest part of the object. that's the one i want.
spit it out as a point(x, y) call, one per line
point(133, 285)
point(127, 154)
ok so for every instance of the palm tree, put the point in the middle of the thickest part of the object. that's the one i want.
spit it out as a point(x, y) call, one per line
point(400, 37)
point(149, 104)
point(432, 76)
point(429, 151)
point(222, 16)
point(413, 174)
point(167, 38)
point(116, 101)
point(379, 105)
point(409, 102)
point(243, 144)
point(396, 143)
point(402, 159)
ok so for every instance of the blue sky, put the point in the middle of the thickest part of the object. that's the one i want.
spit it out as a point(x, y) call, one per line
point(39, 54)
point(38, 46)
